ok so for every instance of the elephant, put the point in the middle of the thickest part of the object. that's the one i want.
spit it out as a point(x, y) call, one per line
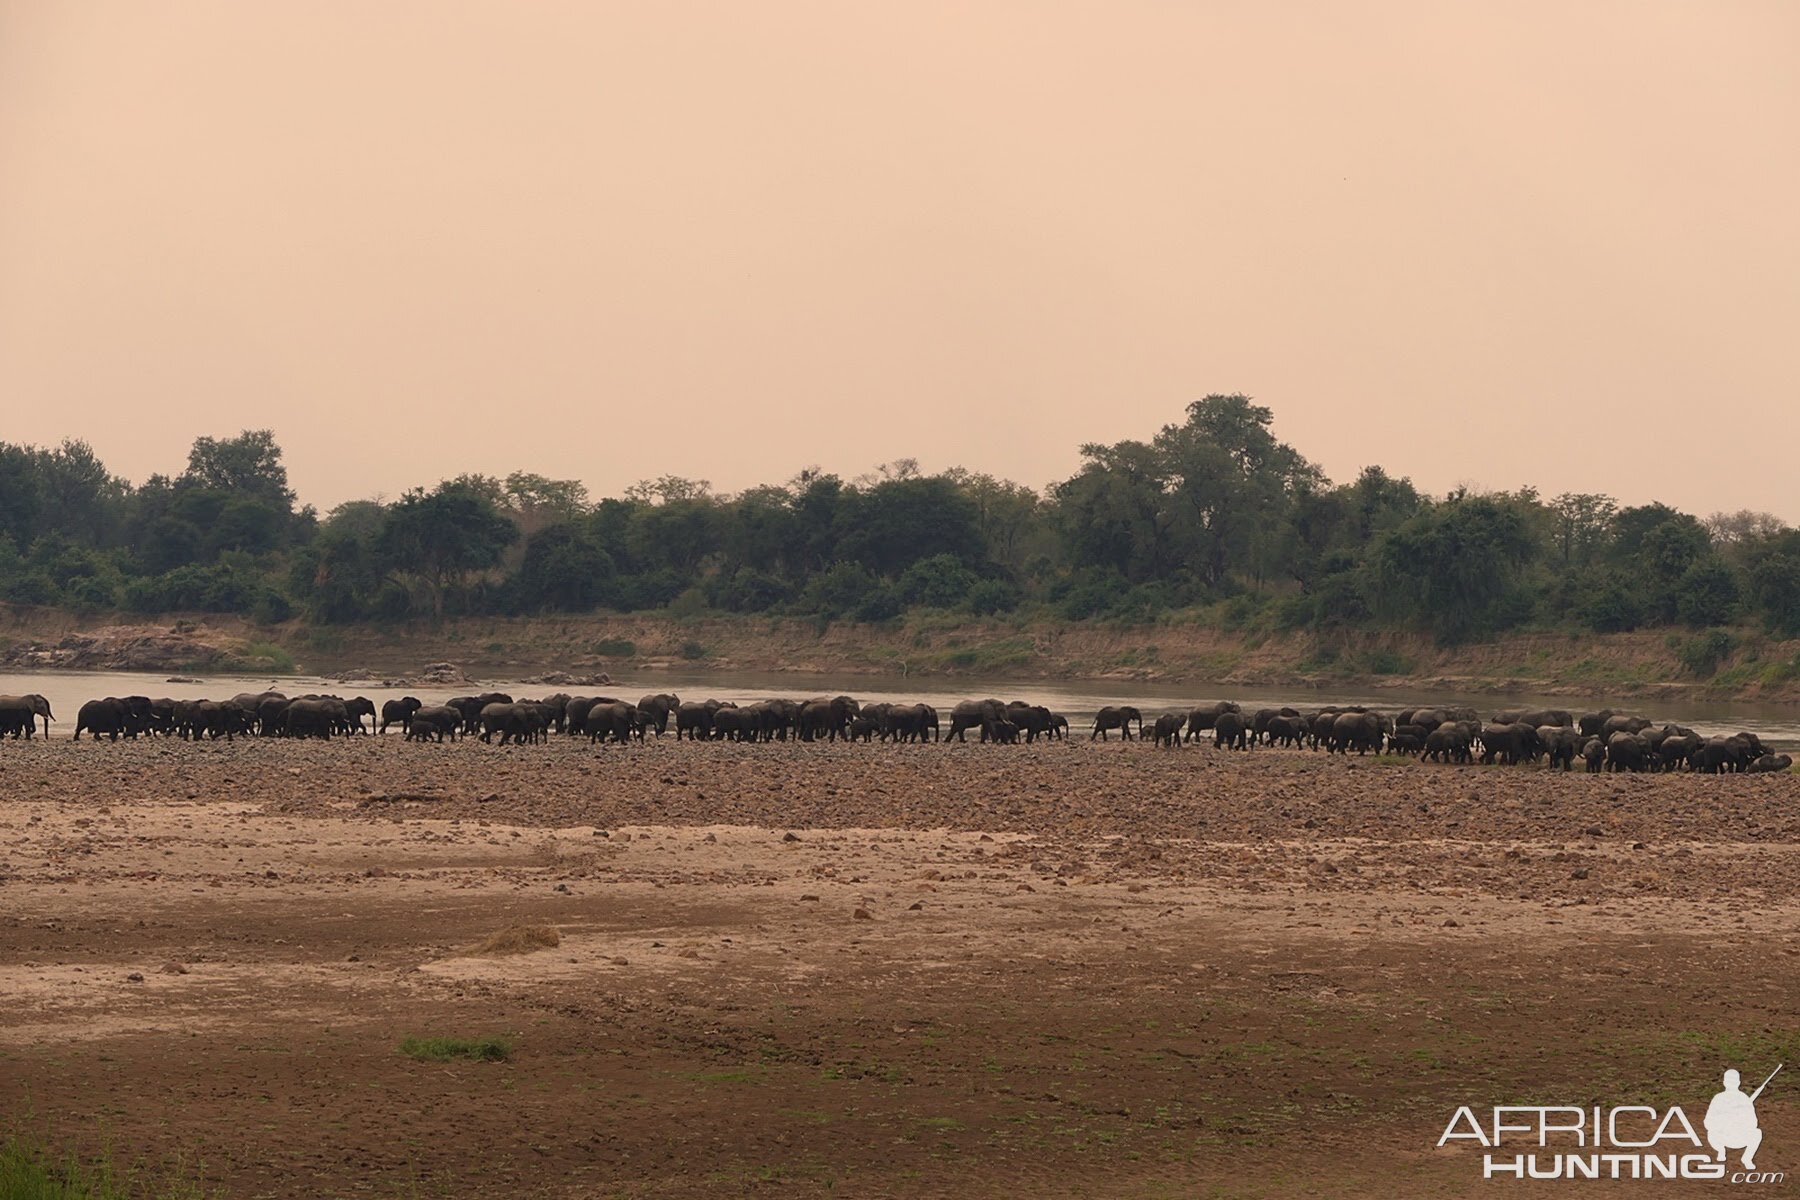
point(1033, 720)
point(517, 722)
point(827, 717)
point(355, 709)
point(1448, 742)
point(784, 718)
point(399, 712)
point(1167, 730)
point(433, 723)
point(695, 719)
point(1230, 729)
point(1409, 743)
point(974, 714)
point(162, 716)
point(314, 716)
point(1626, 751)
point(1119, 718)
point(1001, 731)
point(1677, 749)
point(1562, 743)
point(1593, 753)
point(1768, 763)
point(1593, 724)
point(1264, 718)
point(912, 722)
point(109, 716)
point(618, 721)
point(1286, 731)
point(271, 715)
point(1319, 727)
point(1722, 755)
point(470, 707)
point(729, 724)
point(1202, 717)
point(19, 715)
point(1360, 731)
point(1510, 744)
point(659, 707)
point(1620, 723)
point(862, 729)
point(1535, 717)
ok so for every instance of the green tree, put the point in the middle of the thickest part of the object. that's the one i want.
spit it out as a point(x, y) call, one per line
point(444, 536)
point(567, 569)
point(1452, 568)
point(249, 465)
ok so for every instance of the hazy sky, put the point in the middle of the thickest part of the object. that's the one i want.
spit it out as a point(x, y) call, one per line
point(1552, 243)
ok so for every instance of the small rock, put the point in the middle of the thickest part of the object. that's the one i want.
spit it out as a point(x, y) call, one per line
point(984, 838)
point(134, 977)
point(915, 906)
point(788, 837)
point(1026, 887)
point(621, 962)
point(710, 838)
point(1594, 831)
point(563, 888)
point(1451, 923)
point(863, 914)
point(172, 968)
point(688, 954)
point(1579, 873)
point(1639, 846)
point(809, 896)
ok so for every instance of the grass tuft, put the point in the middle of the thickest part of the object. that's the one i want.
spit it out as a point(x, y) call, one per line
point(444, 1049)
point(28, 1171)
point(517, 939)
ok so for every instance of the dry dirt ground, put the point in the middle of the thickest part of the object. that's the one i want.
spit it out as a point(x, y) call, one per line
point(1054, 970)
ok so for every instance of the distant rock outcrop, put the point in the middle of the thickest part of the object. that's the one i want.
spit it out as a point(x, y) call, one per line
point(120, 648)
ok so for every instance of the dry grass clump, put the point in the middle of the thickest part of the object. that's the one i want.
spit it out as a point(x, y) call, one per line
point(517, 939)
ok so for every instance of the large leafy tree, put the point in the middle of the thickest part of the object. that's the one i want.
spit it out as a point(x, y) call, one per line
point(1452, 567)
point(444, 536)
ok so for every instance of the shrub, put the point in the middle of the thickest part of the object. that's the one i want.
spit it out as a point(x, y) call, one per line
point(992, 596)
point(937, 582)
point(1702, 653)
point(615, 648)
point(882, 604)
point(445, 1049)
point(693, 650)
point(838, 590)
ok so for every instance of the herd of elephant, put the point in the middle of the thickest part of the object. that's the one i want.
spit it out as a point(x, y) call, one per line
point(1604, 740)
point(497, 715)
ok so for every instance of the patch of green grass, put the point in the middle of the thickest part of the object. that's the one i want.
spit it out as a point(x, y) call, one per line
point(443, 1049)
point(29, 1171)
point(740, 1076)
point(988, 656)
point(615, 648)
point(259, 657)
point(692, 650)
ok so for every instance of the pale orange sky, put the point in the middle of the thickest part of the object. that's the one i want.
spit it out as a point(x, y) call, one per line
point(1504, 243)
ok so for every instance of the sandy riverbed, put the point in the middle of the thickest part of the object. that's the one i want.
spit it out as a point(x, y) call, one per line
point(1081, 969)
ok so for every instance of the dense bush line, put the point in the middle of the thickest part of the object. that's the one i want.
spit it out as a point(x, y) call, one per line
point(1211, 512)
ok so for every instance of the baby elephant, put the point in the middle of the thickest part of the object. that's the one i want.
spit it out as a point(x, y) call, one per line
point(1167, 730)
point(1771, 762)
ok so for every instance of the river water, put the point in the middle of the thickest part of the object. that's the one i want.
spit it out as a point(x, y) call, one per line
point(1778, 724)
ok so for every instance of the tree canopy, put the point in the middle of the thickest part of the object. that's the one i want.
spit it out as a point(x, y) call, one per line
point(1213, 510)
